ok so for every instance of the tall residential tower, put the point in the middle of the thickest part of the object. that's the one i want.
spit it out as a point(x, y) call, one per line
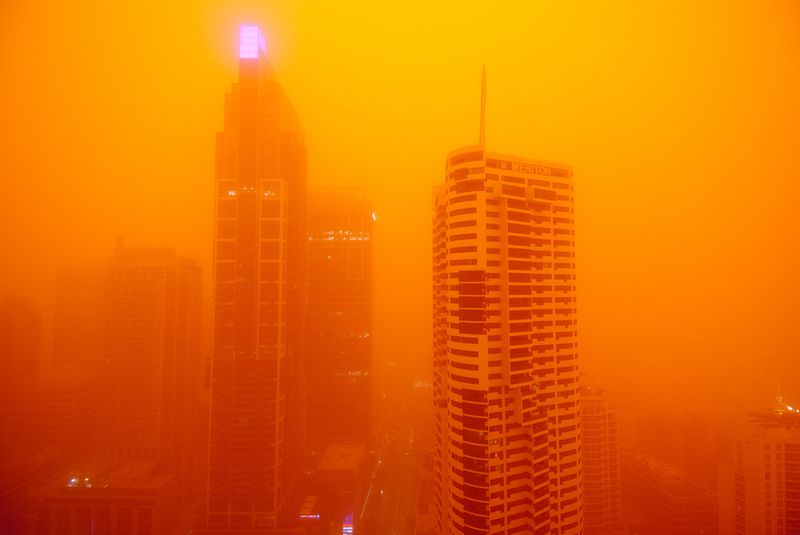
point(256, 422)
point(505, 346)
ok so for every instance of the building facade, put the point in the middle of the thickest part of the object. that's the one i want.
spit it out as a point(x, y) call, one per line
point(256, 422)
point(20, 341)
point(601, 470)
point(505, 382)
point(664, 500)
point(79, 316)
point(339, 319)
point(759, 491)
point(20, 367)
point(56, 410)
point(148, 382)
point(132, 498)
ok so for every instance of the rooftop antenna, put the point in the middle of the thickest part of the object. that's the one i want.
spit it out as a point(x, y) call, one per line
point(483, 107)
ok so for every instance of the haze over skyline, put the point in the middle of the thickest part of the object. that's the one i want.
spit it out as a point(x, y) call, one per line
point(679, 120)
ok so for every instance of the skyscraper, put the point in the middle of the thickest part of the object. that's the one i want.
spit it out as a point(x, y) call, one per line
point(505, 359)
point(601, 470)
point(256, 422)
point(340, 319)
point(149, 381)
point(78, 319)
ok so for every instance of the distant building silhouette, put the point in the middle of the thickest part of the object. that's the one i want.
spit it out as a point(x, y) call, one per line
point(759, 491)
point(126, 375)
point(20, 366)
point(686, 440)
point(148, 384)
point(126, 391)
point(260, 242)
point(601, 468)
point(339, 319)
point(505, 370)
point(79, 317)
point(54, 410)
point(20, 341)
point(664, 500)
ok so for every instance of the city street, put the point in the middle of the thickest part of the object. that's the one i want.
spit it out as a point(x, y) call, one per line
point(391, 505)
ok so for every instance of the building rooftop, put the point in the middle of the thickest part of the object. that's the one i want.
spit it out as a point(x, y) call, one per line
point(108, 477)
point(787, 417)
point(343, 457)
point(670, 478)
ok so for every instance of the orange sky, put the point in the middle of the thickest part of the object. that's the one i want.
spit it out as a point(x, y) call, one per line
point(680, 119)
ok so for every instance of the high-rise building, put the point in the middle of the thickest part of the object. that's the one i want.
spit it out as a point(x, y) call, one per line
point(260, 242)
point(79, 316)
point(20, 341)
point(20, 345)
point(148, 384)
point(691, 441)
point(505, 377)
point(339, 319)
point(759, 491)
point(601, 470)
point(663, 500)
point(53, 411)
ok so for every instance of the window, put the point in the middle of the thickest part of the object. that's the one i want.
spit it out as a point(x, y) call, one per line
point(271, 208)
point(270, 229)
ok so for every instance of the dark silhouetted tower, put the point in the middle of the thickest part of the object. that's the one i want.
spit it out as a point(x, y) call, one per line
point(257, 396)
point(340, 320)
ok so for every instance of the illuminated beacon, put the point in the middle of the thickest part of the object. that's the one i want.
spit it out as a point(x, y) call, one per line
point(505, 355)
point(257, 407)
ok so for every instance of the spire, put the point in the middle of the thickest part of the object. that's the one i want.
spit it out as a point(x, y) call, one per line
point(483, 107)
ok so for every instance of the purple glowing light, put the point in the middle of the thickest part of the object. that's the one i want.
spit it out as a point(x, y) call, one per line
point(251, 40)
